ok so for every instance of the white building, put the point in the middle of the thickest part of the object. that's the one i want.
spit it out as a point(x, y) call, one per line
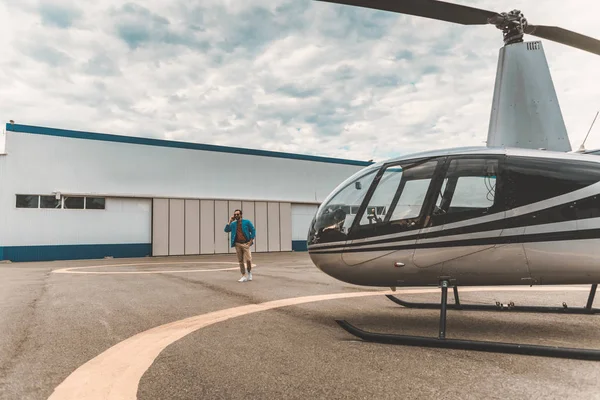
point(77, 195)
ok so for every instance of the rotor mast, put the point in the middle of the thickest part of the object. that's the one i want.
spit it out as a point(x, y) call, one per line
point(512, 25)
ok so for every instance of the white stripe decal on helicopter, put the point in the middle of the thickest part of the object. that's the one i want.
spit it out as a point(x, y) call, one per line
point(589, 223)
point(557, 227)
point(328, 244)
point(533, 207)
point(564, 226)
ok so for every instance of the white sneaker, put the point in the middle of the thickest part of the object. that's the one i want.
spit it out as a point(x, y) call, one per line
point(243, 279)
point(249, 276)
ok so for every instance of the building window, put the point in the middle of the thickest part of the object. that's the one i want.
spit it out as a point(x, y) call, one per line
point(74, 203)
point(49, 202)
point(67, 202)
point(27, 201)
point(95, 203)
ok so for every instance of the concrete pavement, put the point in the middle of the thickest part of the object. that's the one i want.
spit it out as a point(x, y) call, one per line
point(52, 325)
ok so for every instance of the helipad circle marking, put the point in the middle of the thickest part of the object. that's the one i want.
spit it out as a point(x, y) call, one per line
point(71, 270)
point(116, 373)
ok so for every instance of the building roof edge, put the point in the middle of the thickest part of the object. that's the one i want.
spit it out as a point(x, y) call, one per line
point(39, 130)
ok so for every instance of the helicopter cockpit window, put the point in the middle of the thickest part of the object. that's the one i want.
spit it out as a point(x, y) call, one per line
point(400, 194)
point(469, 187)
point(335, 216)
point(383, 196)
point(411, 199)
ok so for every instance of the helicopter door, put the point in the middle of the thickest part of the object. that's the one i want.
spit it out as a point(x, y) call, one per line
point(461, 221)
point(390, 218)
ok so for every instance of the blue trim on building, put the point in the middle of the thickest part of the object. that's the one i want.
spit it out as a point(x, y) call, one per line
point(299, 245)
point(89, 251)
point(74, 252)
point(38, 130)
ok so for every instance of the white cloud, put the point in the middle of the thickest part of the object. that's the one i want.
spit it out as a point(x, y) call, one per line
point(287, 75)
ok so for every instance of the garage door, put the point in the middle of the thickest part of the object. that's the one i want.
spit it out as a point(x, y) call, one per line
point(195, 226)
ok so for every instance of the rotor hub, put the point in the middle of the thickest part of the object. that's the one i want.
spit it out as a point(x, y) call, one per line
point(512, 25)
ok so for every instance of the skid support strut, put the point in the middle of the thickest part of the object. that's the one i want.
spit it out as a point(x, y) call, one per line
point(496, 347)
point(504, 307)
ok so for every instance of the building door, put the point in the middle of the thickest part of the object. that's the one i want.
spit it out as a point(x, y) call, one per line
point(196, 226)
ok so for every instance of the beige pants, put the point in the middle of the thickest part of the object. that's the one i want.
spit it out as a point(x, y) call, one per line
point(244, 256)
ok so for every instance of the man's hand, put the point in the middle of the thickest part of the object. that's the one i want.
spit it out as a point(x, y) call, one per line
point(231, 219)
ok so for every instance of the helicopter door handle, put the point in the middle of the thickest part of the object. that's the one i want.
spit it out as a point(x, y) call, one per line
point(398, 264)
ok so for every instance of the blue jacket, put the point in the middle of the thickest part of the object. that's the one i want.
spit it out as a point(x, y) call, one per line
point(247, 229)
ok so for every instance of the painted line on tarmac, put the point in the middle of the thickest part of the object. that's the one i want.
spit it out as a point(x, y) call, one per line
point(115, 374)
point(73, 270)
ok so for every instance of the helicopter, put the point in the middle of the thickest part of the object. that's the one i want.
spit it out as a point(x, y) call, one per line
point(521, 210)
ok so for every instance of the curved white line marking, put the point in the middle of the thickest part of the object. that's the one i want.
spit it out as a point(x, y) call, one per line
point(71, 270)
point(116, 373)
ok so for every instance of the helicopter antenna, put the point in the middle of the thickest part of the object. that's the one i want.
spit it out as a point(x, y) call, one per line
point(582, 147)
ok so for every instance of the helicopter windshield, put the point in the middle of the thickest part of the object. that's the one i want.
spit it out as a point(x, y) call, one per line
point(335, 216)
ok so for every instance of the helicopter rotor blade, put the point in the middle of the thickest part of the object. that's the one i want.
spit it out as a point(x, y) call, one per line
point(565, 36)
point(459, 14)
point(433, 9)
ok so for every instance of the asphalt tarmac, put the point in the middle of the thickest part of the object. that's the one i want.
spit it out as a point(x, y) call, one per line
point(115, 331)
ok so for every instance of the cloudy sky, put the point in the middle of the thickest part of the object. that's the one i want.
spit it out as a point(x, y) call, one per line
point(287, 75)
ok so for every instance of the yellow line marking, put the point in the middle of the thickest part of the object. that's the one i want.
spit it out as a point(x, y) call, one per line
point(115, 374)
point(72, 270)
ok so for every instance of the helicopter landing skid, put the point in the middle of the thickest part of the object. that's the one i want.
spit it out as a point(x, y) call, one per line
point(442, 342)
point(504, 307)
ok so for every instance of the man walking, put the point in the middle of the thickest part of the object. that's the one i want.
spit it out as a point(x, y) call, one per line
point(242, 237)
